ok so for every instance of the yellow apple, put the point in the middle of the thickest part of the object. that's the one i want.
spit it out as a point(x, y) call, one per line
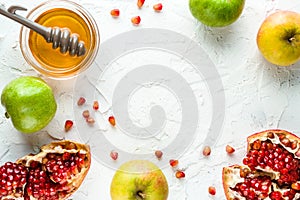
point(139, 180)
point(278, 38)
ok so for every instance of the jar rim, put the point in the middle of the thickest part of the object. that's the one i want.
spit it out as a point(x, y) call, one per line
point(91, 53)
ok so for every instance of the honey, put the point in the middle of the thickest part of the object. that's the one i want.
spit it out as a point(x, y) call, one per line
point(43, 52)
point(51, 62)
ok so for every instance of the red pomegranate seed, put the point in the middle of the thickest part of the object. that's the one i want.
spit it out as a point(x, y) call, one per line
point(68, 125)
point(206, 151)
point(179, 174)
point(296, 186)
point(140, 3)
point(136, 20)
point(115, 12)
point(157, 7)
point(112, 120)
point(90, 120)
point(229, 149)
point(96, 105)
point(158, 154)
point(173, 163)
point(114, 155)
point(81, 101)
point(212, 190)
point(86, 114)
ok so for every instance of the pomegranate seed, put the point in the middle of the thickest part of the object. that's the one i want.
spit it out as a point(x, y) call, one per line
point(81, 101)
point(115, 12)
point(96, 105)
point(173, 163)
point(140, 3)
point(229, 149)
point(112, 120)
point(90, 120)
point(270, 135)
point(157, 7)
point(86, 114)
point(68, 125)
point(136, 20)
point(212, 190)
point(158, 154)
point(206, 151)
point(296, 186)
point(114, 155)
point(179, 174)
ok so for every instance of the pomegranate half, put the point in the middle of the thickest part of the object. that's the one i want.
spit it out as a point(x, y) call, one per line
point(270, 170)
point(55, 173)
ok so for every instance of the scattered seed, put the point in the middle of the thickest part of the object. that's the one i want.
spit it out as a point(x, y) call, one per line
point(140, 3)
point(112, 120)
point(96, 105)
point(206, 151)
point(179, 174)
point(173, 163)
point(158, 154)
point(68, 125)
point(115, 12)
point(136, 20)
point(157, 7)
point(114, 155)
point(81, 101)
point(86, 114)
point(90, 120)
point(212, 190)
point(229, 149)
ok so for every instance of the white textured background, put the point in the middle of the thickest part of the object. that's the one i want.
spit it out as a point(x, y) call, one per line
point(258, 95)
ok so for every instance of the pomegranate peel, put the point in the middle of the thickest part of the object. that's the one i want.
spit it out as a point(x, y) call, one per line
point(54, 173)
point(270, 170)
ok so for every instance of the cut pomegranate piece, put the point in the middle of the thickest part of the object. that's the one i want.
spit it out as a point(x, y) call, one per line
point(53, 174)
point(271, 168)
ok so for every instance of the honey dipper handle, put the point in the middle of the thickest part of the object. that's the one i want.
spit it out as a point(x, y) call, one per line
point(11, 13)
point(59, 37)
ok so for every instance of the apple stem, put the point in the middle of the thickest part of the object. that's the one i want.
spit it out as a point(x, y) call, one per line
point(141, 195)
point(291, 39)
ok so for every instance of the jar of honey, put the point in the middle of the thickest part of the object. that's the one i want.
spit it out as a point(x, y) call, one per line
point(51, 62)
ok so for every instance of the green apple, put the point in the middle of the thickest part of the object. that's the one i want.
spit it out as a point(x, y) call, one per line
point(216, 13)
point(29, 102)
point(278, 38)
point(139, 180)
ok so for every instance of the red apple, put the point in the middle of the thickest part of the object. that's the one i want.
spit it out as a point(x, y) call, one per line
point(278, 38)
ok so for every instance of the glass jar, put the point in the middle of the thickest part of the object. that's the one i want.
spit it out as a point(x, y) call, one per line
point(51, 62)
